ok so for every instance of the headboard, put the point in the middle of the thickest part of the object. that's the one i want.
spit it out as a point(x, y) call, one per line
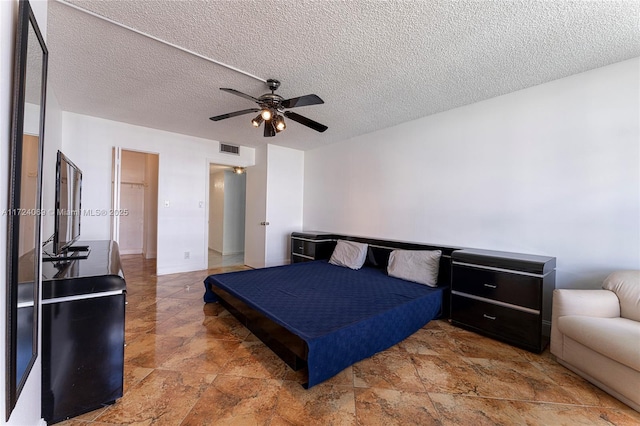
point(379, 251)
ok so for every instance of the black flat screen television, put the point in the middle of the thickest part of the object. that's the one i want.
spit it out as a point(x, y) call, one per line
point(68, 204)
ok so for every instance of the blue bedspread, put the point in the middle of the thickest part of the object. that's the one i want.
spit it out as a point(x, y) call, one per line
point(343, 315)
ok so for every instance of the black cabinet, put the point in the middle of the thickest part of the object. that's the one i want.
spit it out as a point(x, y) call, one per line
point(306, 246)
point(83, 314)
point(503, 295)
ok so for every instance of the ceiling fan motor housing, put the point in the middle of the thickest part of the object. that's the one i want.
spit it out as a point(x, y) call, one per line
point(270, 100)
point(273, 84)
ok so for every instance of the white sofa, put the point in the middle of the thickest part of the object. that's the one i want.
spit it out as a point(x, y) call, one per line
point(596, 334)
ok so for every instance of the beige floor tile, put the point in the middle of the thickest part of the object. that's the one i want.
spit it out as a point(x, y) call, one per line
point(323, 404)
point(179, 326)
point(201, 354)
point(519, 380)
point(345, 378)
point(453, 375)
point(583, 392)
point(150, 349)
point(231, 400)
point(388, 370)
point(133, 375)
point(457, 410)
point(472, 345)
point(255, 360)
point(224, 328)
point(430, 341)
point(162, 398)
point(558, 414)
point(387, 407)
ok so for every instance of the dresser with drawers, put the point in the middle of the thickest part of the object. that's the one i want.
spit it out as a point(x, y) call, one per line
point(503, 295)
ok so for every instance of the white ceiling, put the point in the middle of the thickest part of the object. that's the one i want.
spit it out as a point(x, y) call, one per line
point(374, 63)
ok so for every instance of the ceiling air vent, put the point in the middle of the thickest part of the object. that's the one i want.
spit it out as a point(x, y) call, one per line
point(229, 149)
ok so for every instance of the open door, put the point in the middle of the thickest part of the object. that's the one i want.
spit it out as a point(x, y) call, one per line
point(226, 206)
point(135, 197)
point(116, 153)
point(255, 241)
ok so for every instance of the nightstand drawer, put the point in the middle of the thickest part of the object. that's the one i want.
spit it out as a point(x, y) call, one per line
point(521, 328)
point(297, 258)
point(303, 247)
point(512, 288)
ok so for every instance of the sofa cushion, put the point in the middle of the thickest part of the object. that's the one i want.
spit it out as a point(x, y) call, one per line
point(616, 338)
point(626, 285)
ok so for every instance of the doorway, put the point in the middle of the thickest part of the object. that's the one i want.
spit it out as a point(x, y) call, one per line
point(135, 195)
point(227, 206)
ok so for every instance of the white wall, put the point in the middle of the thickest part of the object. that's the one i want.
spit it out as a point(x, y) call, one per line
point(551, 170)
point(52, 143)
point(182, 181)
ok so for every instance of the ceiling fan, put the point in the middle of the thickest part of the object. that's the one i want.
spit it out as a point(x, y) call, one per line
point(272, 110)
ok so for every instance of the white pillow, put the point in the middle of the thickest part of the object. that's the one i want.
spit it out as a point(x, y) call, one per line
point(420, 266)
point(349, 254)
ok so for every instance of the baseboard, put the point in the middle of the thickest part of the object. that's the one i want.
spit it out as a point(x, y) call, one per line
point(131, 251)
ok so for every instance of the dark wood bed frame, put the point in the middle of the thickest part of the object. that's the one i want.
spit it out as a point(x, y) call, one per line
point(291, 348)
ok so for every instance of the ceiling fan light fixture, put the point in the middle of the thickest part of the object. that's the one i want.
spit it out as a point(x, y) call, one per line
point(280, 124)
point(266, 114)
point(256, 122)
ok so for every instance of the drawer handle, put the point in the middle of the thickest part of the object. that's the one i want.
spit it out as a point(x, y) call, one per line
point(488, 317)
point(300, 248)
point(491, 285)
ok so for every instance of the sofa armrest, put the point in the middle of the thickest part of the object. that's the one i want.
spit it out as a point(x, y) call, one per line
point(593, 303)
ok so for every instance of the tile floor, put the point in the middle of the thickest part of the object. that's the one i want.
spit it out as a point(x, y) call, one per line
point(217, 259)
point(190, 363)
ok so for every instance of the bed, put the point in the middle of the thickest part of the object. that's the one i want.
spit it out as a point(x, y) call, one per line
point(326, 317)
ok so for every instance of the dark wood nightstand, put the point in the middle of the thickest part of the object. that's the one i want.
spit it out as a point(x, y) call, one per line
point(503, 295)
point(306, 246)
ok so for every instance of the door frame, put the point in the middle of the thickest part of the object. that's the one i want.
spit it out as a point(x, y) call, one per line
point(116, 174)
point(217, 162)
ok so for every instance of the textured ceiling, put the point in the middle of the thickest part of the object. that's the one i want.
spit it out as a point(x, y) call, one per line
point(374, 63)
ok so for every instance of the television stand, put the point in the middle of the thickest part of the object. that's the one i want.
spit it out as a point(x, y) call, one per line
point(83, 317)
point(71, 253)
point(79, 248)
